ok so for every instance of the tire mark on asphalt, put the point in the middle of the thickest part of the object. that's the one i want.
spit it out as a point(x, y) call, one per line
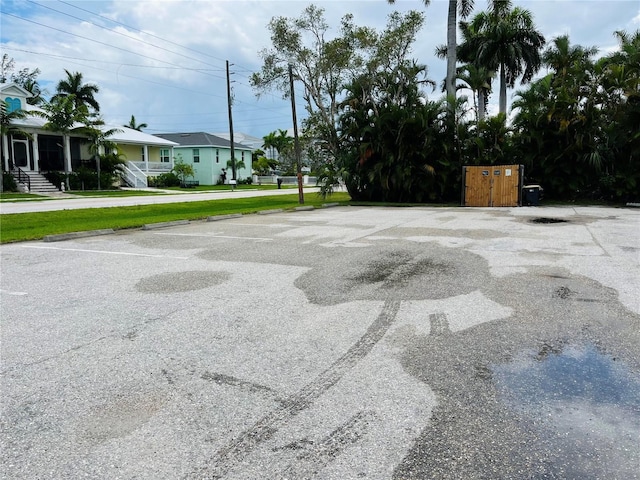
point(264, 429)
point(315, 456)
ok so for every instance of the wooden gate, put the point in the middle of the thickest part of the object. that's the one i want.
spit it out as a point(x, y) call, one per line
point(492, 186)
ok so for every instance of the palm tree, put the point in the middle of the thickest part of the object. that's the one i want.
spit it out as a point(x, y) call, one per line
point(506, 39)
point(478, 79)
point(136, 126)
point(82, 93)
point(464, 7)
point(63, 117)
point(270, 143)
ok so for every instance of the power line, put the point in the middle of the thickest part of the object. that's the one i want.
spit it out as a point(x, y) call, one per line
point(120, 33)
point(95, 41)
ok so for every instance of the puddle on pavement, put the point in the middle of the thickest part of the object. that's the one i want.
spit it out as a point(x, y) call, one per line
point(585, 403)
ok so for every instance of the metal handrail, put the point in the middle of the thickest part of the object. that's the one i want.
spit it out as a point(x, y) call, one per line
point(23, 177)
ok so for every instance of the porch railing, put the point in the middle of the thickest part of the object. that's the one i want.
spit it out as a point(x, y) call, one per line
point(21, 176)
point(153, 166)
point(134, 177)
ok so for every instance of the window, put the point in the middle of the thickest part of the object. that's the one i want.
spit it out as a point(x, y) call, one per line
point(142, 154)
point(242, 156)
point(164, 155)
point(217, 156)
point(196, 155)
point(13, 104)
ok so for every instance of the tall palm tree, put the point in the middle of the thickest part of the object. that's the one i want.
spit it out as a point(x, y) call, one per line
point(83, 93)
point(136, 126)
point(464, 7)
point(506, 38)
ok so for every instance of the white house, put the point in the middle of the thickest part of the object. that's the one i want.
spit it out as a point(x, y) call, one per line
point(43, 150)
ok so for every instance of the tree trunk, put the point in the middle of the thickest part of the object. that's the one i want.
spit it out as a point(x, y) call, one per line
point(503, 90)
point(451, 48)
point(481, 103)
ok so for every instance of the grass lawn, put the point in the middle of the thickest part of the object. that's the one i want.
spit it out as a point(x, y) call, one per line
point(20, 197)
point(34, 226)
point(209, 188)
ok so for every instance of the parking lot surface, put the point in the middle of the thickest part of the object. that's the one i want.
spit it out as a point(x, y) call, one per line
point(338, 343)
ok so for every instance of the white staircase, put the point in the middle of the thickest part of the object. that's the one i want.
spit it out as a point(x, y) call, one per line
point(37, 183)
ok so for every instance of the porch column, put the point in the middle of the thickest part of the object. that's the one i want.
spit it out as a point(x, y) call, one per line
point(36, 153)
point(171, 158)
point(5, 151)
point(145, 149)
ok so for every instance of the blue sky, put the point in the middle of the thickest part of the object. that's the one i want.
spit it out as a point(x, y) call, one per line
point(164, 61)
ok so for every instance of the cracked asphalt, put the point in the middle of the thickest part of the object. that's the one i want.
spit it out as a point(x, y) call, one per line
point(338, 343)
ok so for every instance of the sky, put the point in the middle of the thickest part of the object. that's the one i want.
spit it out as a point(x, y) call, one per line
point(165, 61)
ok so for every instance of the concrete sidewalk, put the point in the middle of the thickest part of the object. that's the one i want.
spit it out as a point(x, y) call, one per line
point(72, 202)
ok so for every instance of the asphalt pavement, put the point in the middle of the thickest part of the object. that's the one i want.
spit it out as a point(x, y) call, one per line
point(337, 343)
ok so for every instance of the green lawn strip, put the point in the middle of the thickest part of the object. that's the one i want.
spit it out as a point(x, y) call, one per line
point(34, 226)
point(209, 188)
point(20, 197)
point(114, 193)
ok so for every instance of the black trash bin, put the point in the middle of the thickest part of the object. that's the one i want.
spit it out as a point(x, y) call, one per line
point(279, 183)
point(531, 195)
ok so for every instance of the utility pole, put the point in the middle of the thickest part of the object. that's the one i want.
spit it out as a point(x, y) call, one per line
point(295, 137)
point(233, 152)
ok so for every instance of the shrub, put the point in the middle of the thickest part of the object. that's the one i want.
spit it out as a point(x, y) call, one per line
point(168, 179)
point(8, 183)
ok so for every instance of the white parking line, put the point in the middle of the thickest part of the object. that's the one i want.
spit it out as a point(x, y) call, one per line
point(104, 251)
point(7, 292)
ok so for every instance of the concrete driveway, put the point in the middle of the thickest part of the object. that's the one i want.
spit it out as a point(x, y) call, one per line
point(339, 343)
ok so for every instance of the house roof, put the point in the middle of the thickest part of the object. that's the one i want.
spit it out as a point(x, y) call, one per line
point(201, 139)
point(121, 135)
point(245, 139)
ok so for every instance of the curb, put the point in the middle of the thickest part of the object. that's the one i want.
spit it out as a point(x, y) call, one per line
point(329, 205)
point(69, 236)
point(269, 212)
point(223, 217)
point(305, 208)
point(152, 226)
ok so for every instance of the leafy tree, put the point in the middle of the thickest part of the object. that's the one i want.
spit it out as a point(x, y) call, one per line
point(27, 79)
point(83, 94)
point(505, 38)
point(323, 66)
point(391, 137)
point(183, 170)
point(136, 126)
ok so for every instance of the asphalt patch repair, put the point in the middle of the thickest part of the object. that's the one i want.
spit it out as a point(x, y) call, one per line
point(351, 343)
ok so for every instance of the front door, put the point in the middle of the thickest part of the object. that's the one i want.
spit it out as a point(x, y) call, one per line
point(21, 154)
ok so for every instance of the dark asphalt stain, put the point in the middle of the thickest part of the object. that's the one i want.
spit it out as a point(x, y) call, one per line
point(177, 282)
point(482, 429)
point(546, 220)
